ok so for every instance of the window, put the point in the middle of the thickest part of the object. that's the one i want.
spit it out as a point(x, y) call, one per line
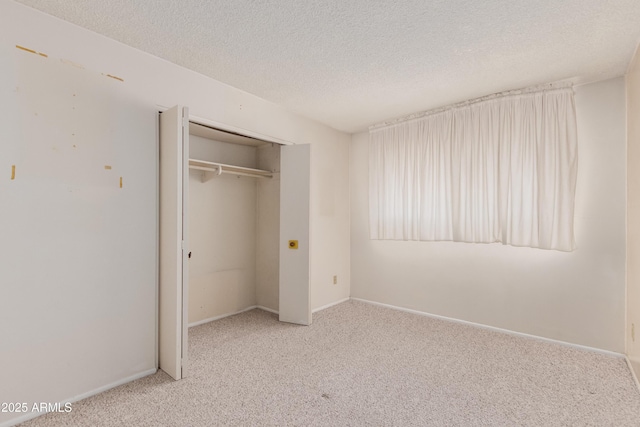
point(497, 170)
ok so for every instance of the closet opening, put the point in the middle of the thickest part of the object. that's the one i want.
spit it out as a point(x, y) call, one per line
point(234, 224)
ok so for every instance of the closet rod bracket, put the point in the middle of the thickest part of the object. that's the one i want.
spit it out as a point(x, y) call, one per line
point(207, 175)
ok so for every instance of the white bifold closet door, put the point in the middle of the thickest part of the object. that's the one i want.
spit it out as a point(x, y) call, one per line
point(295, 165)
point(173, 275)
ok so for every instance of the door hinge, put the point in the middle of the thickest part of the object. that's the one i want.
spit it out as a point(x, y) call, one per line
point(182, 245)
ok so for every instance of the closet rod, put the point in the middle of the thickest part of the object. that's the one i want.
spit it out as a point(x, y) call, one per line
point(211, 169)
point(219, 171)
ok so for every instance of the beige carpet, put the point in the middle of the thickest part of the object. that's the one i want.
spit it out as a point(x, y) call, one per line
point(360, 364)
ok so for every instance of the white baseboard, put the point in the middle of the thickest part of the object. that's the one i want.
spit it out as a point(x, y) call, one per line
point(330, 305)
point(493, 328)
point(261, 307)
point(222, 316)
point(270, 310)
point(82, 396)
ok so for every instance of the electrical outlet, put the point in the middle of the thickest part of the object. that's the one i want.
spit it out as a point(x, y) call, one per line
point(335, 280)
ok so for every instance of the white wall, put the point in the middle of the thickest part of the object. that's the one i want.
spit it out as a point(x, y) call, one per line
point(77, 263)
point(330, 235)
point(222, 232)
point(633, 213)
point(576, 297)
point(78, 259)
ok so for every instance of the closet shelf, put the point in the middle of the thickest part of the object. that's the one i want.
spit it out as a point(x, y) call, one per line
point(212, 169)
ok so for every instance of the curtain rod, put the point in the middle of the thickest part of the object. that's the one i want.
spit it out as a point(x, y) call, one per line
point(548, 87)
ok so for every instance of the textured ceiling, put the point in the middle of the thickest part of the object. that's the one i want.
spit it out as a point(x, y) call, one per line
point(353, 63)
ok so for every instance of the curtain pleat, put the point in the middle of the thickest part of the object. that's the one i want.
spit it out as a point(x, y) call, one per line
point(502, 170)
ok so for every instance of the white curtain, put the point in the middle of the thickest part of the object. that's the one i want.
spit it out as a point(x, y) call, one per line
point(501, 170)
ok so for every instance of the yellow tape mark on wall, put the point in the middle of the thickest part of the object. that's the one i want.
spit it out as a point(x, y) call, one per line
point(115, 77)
point(107, 167)
point(26, 49)
point(13, 171)
point(120, 182)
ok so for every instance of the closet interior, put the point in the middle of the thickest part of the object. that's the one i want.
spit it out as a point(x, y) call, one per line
point(233, 212)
